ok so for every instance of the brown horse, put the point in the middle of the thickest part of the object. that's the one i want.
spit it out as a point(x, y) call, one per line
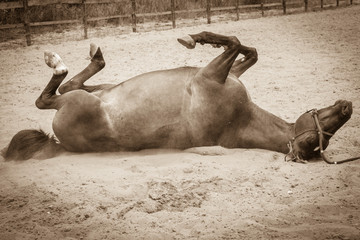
point(178, 108)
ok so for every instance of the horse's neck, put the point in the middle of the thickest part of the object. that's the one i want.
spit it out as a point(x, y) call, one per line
point(265, 130)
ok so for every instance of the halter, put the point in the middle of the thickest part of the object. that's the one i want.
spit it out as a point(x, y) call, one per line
point(317, 128)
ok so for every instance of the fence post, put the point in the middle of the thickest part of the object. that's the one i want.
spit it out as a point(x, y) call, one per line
point(322, 4)
point(208, 11)
point(284, 6)
point(173, 13)
point(306, 5)
point(133, 15)
point(237, 10)
point(351, 2)
point(53, 11)
point(337, 3)
point(262, 8)
point(26, 22)
point(84, 18)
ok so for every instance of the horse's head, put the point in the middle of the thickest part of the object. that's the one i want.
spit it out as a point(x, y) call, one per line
point(330, 119)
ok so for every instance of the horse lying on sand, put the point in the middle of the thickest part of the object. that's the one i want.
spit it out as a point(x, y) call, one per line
point(178, 108)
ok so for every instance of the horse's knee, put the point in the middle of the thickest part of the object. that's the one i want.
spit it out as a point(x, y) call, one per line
point(253, 54)
point(40, 103)
point(234, 40)
point(43, 102)
point(250, 54)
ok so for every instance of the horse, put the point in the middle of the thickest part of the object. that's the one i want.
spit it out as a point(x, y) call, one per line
point(178, 108)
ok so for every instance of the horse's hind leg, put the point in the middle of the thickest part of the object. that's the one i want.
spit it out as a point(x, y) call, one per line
point(219, 68)
point(77, 82)
point(48, 98)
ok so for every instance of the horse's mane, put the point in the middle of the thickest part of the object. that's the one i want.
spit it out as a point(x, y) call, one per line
point(26, 143)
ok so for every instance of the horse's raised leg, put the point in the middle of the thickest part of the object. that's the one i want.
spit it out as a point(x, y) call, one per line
point(77, 82)
point(219, 68)
point(48, 97)
point(243, 64)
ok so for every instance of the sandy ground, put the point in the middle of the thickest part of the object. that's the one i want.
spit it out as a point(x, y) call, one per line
point(305, 61)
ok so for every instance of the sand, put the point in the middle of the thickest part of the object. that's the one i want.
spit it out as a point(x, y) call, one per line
point(306, 60)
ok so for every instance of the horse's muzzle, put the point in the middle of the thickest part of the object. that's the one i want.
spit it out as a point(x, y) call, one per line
point(346, 107)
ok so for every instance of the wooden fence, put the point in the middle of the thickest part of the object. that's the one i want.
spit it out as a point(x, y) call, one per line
point(134, 15)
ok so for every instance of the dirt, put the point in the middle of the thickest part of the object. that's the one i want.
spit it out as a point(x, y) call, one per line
point(306, 60)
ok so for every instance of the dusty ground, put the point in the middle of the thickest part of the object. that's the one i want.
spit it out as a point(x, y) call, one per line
point(305, 61)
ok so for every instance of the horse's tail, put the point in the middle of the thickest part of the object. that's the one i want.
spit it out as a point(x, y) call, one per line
point(29, 143)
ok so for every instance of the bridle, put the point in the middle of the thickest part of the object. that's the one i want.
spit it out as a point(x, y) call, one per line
point(317, 128)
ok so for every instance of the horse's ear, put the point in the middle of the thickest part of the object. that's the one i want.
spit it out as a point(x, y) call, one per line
point(25, 144)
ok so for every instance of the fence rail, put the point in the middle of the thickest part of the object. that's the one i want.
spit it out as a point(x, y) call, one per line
point(134, 15)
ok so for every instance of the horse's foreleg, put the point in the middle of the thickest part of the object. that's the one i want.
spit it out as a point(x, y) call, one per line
point(77, 82)
point(219, 68)
point(216, 40)
point(243, 64)
point(48, 97)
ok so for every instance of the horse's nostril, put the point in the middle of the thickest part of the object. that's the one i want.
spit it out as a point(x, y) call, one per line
point(346, 110)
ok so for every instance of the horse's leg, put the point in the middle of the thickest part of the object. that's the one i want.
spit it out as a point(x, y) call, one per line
point(219, 68)
point(48, 98)
point(77, 82)
point(243, 64)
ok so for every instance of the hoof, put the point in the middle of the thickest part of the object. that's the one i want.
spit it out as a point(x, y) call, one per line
point(96, 55)
point(93, 49)
point(54, 61)
point(187, 41)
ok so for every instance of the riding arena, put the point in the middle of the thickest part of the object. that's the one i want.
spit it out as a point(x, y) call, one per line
point(204, 187)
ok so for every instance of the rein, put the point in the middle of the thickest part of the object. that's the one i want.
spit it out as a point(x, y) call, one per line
point(321, 133)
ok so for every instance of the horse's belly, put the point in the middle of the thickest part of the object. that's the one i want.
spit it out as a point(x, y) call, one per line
point(171, 112)
point(156, 110)
point(147, 112)
point(151, 123)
